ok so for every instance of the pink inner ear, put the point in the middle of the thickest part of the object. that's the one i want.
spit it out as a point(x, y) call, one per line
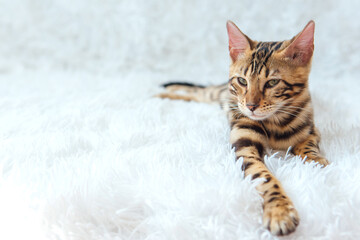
point(238, 42)
point(301, 49)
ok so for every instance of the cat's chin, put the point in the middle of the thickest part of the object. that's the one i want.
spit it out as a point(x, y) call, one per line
point(257, 117)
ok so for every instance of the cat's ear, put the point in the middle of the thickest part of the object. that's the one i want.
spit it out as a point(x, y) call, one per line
point(238, 42)
point(301, 47)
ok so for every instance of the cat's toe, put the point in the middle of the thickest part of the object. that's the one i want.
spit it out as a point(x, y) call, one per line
point(280, 218)
point(322, 161)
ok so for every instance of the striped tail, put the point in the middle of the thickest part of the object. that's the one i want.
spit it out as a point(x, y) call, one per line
point(198, 93)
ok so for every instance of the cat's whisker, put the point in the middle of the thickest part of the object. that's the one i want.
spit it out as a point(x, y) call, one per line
point(277, 119)
point(297, 109)
point(296, 101)
point(291, 108)
point(223, 99)
point(301, 119)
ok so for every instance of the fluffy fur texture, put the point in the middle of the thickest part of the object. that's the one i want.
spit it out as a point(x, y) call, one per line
point(86, 153)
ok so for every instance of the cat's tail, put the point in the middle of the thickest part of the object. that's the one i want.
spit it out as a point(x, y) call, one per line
point(191, 92)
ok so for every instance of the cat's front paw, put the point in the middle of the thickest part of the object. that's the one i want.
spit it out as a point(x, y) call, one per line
point(321, 160)
point(280, 217)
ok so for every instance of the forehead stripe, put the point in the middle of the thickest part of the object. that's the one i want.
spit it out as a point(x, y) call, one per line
point(267, 72)
point(272, 44)
point(261, 55)
point(245, 71)
point(278, 46)
point(267, 57)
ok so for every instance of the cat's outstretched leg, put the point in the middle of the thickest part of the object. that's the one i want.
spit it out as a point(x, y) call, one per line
point(249, 140)
point(310, 149)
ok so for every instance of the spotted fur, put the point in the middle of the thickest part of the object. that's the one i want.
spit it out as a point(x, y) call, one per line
point(268, 105)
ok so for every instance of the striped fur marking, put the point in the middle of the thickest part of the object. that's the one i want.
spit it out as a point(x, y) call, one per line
point(182, 84)
point(254, 128)
point(246, 142)
point(261, 55)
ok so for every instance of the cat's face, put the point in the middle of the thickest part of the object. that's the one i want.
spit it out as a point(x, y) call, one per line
point(267, 77)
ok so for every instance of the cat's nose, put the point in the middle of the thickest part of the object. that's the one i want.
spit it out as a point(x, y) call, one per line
point(252, 106)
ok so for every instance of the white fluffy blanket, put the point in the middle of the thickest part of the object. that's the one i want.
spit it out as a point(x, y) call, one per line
point(87, 153)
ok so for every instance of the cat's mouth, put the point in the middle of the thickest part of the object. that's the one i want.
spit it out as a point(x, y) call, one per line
point(254, 115)
point(257, 115)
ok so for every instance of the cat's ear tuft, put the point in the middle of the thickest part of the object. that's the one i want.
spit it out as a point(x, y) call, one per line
point(301, 47)
point(238, 42)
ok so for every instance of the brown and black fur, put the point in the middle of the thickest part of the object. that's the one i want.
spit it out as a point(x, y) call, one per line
point(263, 116)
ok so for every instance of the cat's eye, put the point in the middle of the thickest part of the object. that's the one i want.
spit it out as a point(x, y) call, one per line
point(242, 81)
point(272, 83)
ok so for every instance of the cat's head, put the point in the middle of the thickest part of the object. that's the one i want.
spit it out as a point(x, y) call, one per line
point(266, 77)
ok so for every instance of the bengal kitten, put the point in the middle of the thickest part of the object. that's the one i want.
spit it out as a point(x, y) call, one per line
point(268, 105)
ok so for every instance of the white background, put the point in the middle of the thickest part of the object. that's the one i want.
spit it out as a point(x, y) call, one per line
point(87, 153)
